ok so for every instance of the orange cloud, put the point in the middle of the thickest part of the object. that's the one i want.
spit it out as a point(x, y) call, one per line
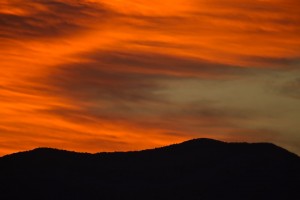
point(93, 75)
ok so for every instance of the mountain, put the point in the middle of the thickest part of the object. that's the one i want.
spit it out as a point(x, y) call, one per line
point(201, 169)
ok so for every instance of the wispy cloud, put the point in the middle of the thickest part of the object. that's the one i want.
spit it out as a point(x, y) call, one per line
point(94, 75)
point(34, 19)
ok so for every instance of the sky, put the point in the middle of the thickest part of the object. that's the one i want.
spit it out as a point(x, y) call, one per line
point(121, 75)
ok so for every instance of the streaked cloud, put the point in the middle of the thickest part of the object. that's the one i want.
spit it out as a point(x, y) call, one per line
point(34, 19)
point(94, 75)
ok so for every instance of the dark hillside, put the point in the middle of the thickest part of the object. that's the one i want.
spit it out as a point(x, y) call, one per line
point(196, 169)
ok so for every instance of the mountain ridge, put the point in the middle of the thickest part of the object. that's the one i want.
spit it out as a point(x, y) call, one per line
point(196, 169)
point(196, 141)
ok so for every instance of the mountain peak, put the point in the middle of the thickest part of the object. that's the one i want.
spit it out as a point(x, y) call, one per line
point(203, 141)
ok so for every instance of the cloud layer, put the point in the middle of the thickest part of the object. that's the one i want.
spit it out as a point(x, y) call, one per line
point(95, 75)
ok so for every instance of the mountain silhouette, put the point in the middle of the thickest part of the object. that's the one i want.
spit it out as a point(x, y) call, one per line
point(202, 169)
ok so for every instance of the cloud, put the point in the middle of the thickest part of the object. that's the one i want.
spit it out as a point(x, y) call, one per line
point(291, 88)
point(118, 85)
point(152, 63)
point(85, 81)
point(35, 19)
point(284, 63)
point(137, 74)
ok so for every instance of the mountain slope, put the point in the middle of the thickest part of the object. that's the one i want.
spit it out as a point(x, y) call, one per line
point(196, 169)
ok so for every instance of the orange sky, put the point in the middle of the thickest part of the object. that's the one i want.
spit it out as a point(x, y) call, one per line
point(95, 75)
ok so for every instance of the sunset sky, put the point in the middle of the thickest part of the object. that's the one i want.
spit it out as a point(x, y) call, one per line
point(119, 75)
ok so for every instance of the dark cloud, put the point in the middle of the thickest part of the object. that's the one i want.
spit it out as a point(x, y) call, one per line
point(122, 87)
point(129, 76)
point(274, 62)
point(117, 85)
point(212, 110)
point(292, 88)
point(49, 18)
point(163, 64)
point(93, 81)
